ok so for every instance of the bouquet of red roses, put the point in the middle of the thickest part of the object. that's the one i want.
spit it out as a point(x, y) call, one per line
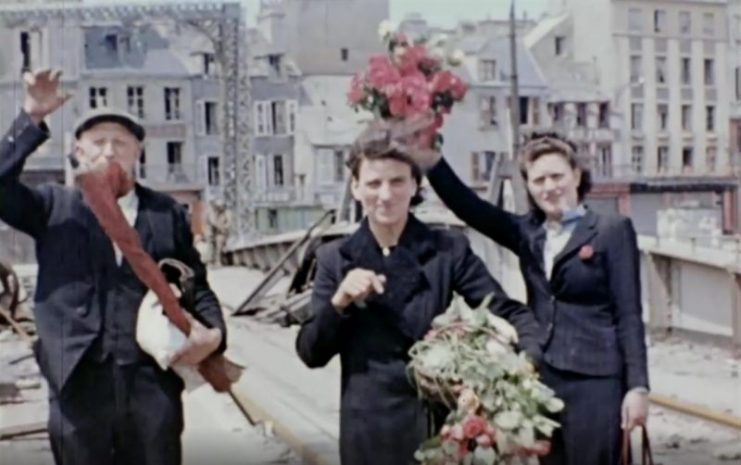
point(499, 409)
point(406, 81)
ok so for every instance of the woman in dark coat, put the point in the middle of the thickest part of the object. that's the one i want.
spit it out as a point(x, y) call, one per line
point(376, 293)
point(581, 271)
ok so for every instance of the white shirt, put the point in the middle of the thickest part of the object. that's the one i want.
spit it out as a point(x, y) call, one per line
point(557, 235)
point(129, 204)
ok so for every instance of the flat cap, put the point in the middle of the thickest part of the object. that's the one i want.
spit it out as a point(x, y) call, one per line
point(112, 115)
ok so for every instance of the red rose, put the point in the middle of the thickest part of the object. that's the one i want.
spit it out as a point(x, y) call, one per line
point(381, 72)
point(473, 426)
point(586, 252)
point(415, 88)
point(410, 58)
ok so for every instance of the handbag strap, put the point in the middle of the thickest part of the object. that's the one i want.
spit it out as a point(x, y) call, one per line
point(646, 454)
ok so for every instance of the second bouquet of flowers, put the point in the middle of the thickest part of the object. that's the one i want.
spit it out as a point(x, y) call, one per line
point(499, 409)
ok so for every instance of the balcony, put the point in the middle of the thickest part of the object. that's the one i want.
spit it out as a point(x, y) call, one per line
point(628, 173)
point(171, 177)
point(275, 196)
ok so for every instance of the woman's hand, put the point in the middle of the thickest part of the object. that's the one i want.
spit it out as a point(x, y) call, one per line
point(356, 287)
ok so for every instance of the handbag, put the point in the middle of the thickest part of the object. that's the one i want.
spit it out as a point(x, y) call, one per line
point(646, 455)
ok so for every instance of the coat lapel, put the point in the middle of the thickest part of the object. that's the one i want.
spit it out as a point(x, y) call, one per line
point(403, 269)
point(585, 230)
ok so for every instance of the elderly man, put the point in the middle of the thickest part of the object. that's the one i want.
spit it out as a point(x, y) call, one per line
point(109, 402)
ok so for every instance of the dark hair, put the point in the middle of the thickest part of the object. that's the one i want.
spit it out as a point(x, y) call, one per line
point(374, 143)
point(547, 143)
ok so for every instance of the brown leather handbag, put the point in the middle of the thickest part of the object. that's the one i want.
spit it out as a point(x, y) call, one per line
point(647, 457)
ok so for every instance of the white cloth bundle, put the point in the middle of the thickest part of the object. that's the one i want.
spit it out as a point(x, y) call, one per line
point(158, 337)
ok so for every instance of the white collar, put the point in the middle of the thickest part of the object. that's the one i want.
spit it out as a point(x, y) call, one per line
point(130, 200)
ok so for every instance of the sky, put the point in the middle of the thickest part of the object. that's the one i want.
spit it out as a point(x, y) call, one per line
point(447, 13)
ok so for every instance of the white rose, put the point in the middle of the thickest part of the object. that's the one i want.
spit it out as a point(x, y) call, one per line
point(456, 57)
point(386, 28)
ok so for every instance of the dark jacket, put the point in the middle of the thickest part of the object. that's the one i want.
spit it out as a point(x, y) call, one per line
point(78, 276)
point(590, 309)
point(382, 420)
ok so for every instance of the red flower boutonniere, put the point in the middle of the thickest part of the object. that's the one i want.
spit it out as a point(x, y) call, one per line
point(586, 252)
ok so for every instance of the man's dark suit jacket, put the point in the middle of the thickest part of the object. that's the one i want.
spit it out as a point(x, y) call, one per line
point(77, 270)
point(381, 417)
point(590, 309)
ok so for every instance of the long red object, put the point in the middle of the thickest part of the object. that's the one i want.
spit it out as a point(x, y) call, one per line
point(100, 189)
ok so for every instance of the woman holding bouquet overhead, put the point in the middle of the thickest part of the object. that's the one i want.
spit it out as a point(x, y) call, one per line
point(376, 293)
point(582, 276)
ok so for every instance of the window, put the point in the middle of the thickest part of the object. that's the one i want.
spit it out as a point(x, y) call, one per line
point(482, 164)
point(687, 161)
point(636, 116)
point(339, 166)
point(536, 111)
point(581, 115)
point(636, 159)
point(662, 159)
point(274, 62)
point(685, 23)
point(135, 100)
point(278, 111)
point(662, 111)
point(635, 69)
point(26, 51)
point(143, 164)
point(98, 97)
point(635, 20)
point(278, 173)
point(708, 24)
point(111, 43)
point(213, 171)
point(604, 160)
point(210, 118)
point(604, 115)
point(292, 108)
point(687, 117)
point(209, 64)
point(263, 123)
point(272, 218)
point(710, 118)
point(659, 21)
point(175, 162)
point(685, 68)
point(557, 112)
point(560, 42)
point(172, 103)
point(488, 115)
point(709, 67)
point(711, 155)
point(524, 110)
point(344, 54)
point(487, 70)
point(661, 70)
point(738, 82)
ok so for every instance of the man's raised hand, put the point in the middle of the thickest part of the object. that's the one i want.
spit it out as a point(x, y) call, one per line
point(43, 95)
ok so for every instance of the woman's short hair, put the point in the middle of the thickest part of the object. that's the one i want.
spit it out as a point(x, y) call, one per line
point(375, 143)
point(548, 143)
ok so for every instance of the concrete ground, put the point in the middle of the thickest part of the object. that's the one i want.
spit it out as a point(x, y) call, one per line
point(300, 407)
